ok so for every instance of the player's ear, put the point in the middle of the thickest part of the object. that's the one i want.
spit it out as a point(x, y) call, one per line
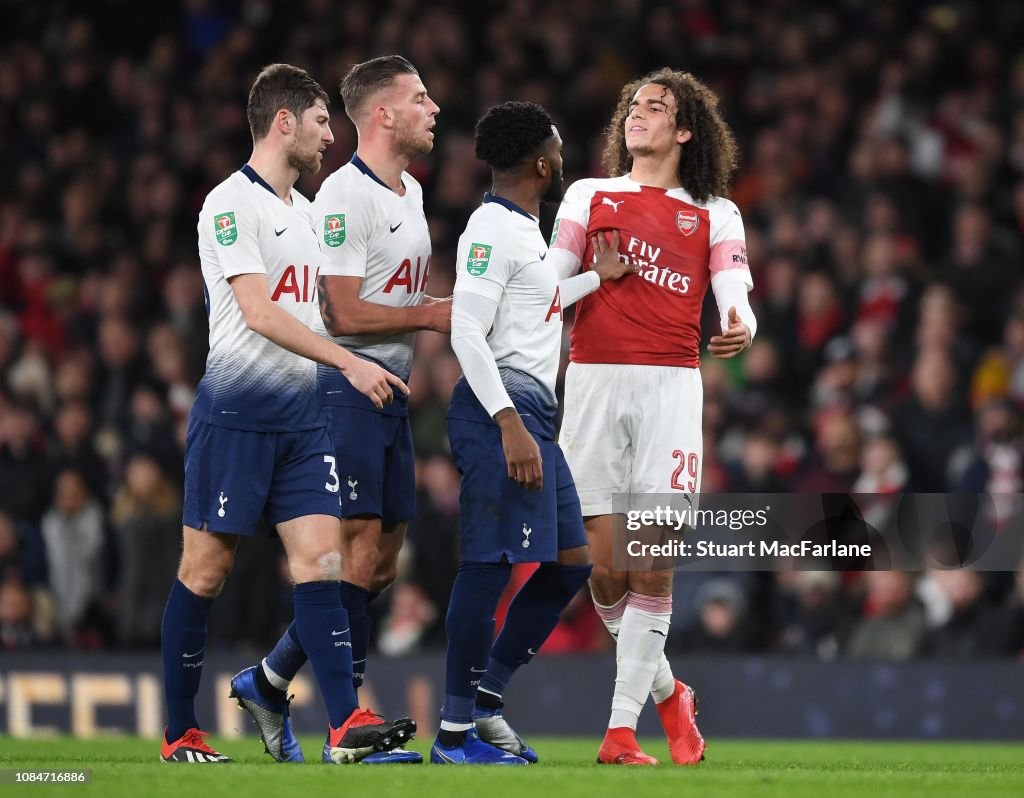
point(541, 165)
point(683, 136)
point(284, 121)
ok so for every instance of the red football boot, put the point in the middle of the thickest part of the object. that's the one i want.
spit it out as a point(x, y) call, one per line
point(620, 747)
point(365, 733)
point(191, 747)
point(678, 718)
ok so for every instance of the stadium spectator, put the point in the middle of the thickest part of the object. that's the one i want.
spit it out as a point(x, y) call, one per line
point(76, 544)
point(933, 423)
point(973, 628)
point(22, 553)
point(17, 630)
point(146, 518)
point(893, 626)
point(723, 624)
point(812, 613)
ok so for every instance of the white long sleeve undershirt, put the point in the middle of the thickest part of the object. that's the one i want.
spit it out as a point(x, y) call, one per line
point(472, 318)
point(730, 289)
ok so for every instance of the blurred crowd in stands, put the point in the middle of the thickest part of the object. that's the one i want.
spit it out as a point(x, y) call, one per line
point(882, 189)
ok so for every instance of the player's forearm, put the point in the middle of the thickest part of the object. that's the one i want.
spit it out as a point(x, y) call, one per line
point(279, 326)
point(472, 316)
point(730, 291)
point(565, 262)
point(573, 289)
point(369, 318)
point(481, 372)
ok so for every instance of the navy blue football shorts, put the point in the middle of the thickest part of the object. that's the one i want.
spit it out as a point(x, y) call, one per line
point(235, 477)
point(499, 517)
point(375, 462)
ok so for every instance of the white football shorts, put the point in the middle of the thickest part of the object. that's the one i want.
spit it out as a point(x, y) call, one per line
point(634, 431)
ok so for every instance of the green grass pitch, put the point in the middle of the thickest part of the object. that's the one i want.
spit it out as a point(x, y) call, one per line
point(127, 766)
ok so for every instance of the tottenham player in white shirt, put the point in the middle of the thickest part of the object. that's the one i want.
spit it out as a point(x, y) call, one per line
point(518, 501)
point(257, 441)
point(368, 217)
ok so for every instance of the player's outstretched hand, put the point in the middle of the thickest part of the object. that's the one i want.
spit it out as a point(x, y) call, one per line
point(733, 340)
point(437, 314)
point(372, 381)
point(608, 264)
point(522, 454)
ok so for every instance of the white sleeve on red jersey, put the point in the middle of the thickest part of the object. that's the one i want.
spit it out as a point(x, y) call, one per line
point(728, 241)
point(730, 289)
point(569, 236)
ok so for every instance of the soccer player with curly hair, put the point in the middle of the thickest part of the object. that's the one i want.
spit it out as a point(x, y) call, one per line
point(632, 424)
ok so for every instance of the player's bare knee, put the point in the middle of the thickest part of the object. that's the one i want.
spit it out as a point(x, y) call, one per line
point(204, 577)
point(328, 566)
point(383, 577)
point(575, 557)
point(651, 583)
point(606, 585)
point(381, 583)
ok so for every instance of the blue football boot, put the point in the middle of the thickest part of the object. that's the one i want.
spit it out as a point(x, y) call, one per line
point(494, 730)
point(473, 751)
point(396, 756)
point(271, 717)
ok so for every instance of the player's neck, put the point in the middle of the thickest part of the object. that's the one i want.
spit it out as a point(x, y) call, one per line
point(385, 164)
point(274, 169)
point(659, 172)
point(518, 194)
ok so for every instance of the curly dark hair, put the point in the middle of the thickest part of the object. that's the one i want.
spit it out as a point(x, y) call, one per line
point(510, 132)
point(709, 158)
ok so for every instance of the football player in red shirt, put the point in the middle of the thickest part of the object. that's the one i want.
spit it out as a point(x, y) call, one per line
point(632, 425)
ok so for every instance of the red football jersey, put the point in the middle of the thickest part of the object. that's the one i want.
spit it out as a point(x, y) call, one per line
point(652, 317)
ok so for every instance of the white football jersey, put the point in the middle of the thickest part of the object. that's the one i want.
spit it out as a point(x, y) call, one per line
point(501, 257)
point(252, 383)
point(366, 230)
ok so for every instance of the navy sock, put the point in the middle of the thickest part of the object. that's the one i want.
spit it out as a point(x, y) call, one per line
point(183, 644)
point(469, 626)
point(323, 629)
point(532, 616)
point(288, 655)
point(355, 599)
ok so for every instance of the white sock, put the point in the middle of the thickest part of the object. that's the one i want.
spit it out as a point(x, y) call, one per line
point(664, 680)
point(611, 614)
point(641, 644)
point(447, 725)
point(278, 681)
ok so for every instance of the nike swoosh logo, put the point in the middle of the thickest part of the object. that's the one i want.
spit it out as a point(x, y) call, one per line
point(339, 633)
point(531, 652)
point(655, 631)
point(478, 670)
point(279, 232)
point(189, 656)
point(396, 226)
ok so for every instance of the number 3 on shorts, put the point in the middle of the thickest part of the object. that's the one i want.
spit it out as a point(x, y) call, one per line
point(691, 464)
point(335, 483)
